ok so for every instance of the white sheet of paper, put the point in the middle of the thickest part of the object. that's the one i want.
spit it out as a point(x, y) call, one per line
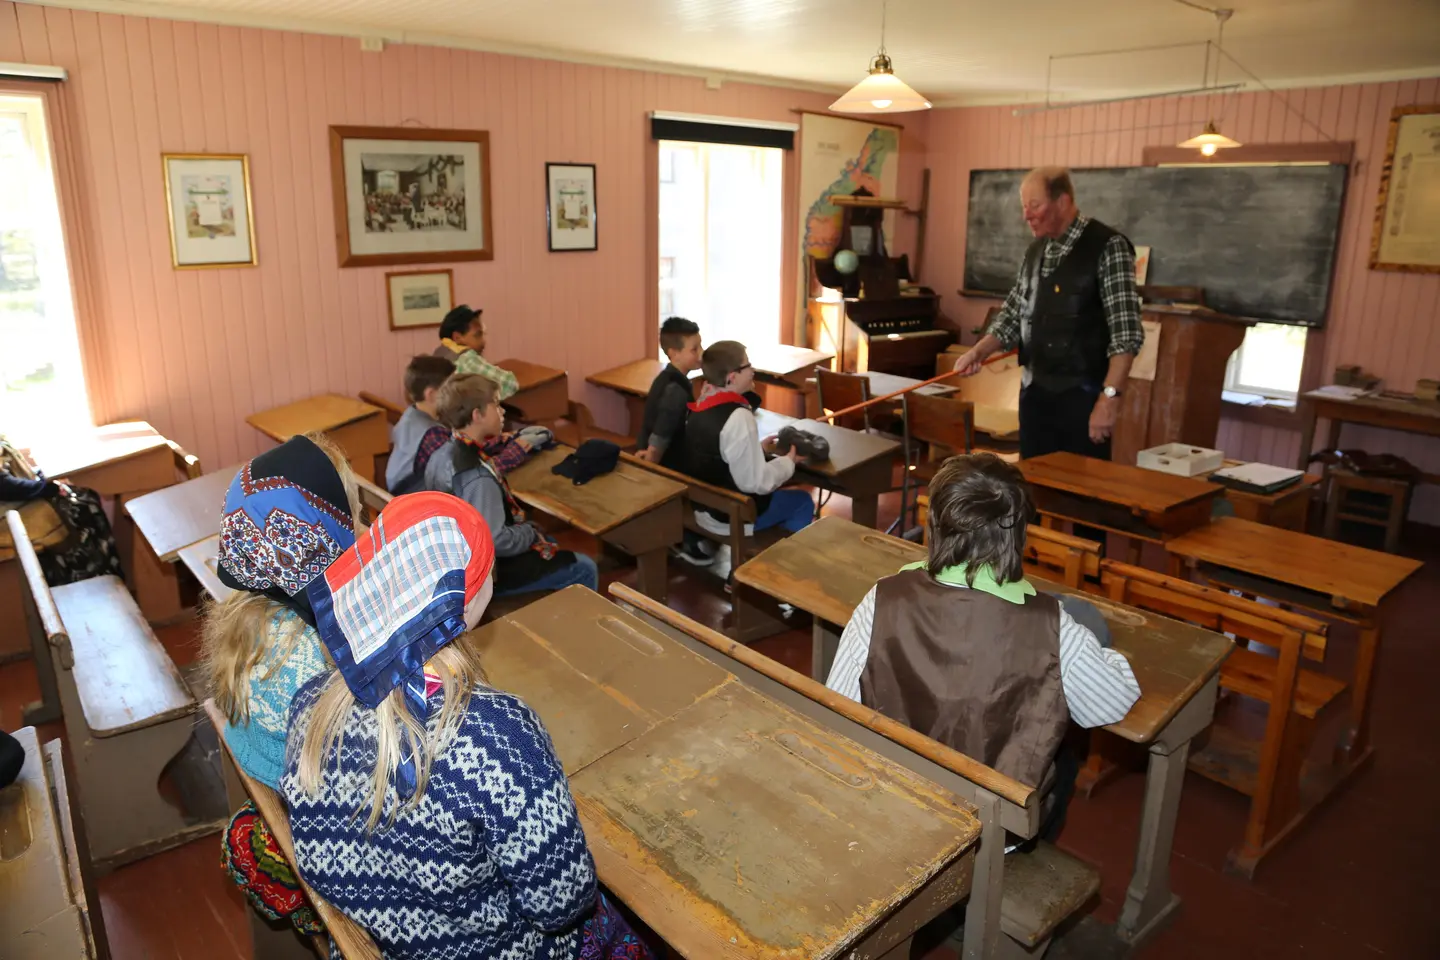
point(209, 211)
point(1144, 366)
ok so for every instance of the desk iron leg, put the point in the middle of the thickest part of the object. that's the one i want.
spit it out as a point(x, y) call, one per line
point(1149, 901)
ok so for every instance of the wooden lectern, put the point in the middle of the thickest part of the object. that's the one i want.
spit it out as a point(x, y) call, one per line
point(1182, 403)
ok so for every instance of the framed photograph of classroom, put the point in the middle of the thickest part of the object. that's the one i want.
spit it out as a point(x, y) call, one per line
point(207, 196)
point(419, 298)
point(1407, 213)
point(410, 195)
point(570, 207)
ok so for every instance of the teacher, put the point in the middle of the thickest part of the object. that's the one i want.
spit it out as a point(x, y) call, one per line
point(1074, 312)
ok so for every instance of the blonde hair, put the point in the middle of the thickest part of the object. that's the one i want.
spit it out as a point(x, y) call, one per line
point(461, 395)
point(235, 635)
point(321, 729)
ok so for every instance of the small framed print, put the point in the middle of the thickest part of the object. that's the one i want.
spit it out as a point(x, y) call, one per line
point(208, 196)
point(420, 298)
point(570, 206)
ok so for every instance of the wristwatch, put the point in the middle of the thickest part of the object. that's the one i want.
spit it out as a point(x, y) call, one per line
point(1111, 392)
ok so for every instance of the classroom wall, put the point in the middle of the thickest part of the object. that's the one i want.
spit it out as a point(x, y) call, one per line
point(1387, 322)
point(194, 352)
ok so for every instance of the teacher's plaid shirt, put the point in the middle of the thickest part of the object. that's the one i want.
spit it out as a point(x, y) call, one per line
point(1117, 292)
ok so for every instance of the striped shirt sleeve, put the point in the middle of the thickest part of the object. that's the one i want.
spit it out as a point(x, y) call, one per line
point(854, 650)
point(1099, 686)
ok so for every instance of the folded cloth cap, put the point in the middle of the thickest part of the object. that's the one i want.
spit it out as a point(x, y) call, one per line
point(398, 595)
point(590, 460)
point(286, 517)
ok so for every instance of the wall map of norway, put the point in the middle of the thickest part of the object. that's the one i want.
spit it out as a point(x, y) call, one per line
point(875, 162)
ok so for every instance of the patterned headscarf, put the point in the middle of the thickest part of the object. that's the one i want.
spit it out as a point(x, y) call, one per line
point(286, 518)
point(389, 603)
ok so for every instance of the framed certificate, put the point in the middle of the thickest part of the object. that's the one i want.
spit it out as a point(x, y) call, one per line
point(1407, 215)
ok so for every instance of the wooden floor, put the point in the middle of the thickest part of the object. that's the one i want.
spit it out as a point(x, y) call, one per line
point(1357, 881)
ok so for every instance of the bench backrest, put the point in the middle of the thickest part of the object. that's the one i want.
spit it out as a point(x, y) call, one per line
point(1217, 610)
point(1060, 557)
point(350, 937)
point(839, 391)
point(393, 412)
point(372, 498)
point(938, 421)
point(739, 508)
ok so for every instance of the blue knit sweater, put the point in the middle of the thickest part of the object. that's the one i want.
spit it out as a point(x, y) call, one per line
point(491, 863)
point(259, 745)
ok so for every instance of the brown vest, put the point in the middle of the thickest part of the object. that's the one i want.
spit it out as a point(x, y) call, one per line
point(973, 671)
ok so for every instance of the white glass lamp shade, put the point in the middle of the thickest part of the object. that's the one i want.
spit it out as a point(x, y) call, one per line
point(1209, 141)
point(880, 92)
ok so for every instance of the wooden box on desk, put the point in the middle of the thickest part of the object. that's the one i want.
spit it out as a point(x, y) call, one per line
point(1182, 403)
point(893, 334)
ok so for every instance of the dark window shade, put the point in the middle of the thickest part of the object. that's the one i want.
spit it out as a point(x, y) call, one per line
point(698, 131)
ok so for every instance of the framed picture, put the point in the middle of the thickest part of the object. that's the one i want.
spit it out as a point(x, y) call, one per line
point(420, 298)
point(1407, 215)
point(410, 195)
point(570, 206)
point(208, 196)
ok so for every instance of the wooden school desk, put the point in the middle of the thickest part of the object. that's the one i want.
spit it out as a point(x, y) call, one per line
point(201, 559)
point(1288, 507)
point(1132, 501)
point(180, 515)
point(861, 465)
point(826, 570)
point(50, 908)
point(123, 460)
point(630, 508)
point(1392, 413)
point(733, 826)
point(360, 431)
point(1330, 578)
point(544, 392)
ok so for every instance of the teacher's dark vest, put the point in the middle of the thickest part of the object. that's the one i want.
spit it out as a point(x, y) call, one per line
point(1069, 337)
point(703, 459)
point(975, 672)
point(674, 456)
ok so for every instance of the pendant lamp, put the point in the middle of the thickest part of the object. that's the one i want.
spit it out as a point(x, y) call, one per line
point(1211, 139)
point(881, 91)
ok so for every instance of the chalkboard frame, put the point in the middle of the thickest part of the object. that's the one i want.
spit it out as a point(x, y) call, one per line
point(1305, 302)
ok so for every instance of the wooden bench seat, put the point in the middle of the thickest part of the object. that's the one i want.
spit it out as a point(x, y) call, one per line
point(126, 709)
point(281, 941)
point(1270, 770)
point(1253, 674)
point(1042, 888)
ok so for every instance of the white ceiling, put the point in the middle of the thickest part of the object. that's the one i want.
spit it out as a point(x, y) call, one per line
point(953, 51)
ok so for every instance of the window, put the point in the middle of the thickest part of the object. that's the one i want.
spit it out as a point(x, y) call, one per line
point(1267, 364)
point(720, 238)
point(41, 385)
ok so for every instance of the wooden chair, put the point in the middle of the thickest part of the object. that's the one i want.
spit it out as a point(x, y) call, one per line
point(836, 391)
point(1016, 902)
point(281, 942)
point(1269, 771)
point(1372, 501)
point(942, 425)
point(126, 708)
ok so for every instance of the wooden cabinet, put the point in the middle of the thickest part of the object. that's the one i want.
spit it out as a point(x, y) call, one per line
point(1182, 403)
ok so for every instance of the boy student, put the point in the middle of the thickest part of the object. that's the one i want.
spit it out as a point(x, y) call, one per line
point(662, 432)
point(722, 446)
point(963, 649)
point(462, 340)
point(526, 559)
point(418, 434)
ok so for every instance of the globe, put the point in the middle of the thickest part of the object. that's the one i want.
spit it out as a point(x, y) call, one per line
point(847, 262)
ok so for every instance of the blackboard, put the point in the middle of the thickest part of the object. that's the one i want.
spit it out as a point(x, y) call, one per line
point(1259, 239)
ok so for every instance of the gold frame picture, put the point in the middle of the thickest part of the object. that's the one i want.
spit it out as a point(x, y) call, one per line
point(207, 230)
point(416, 310)
point(410, 195)
point(1415, 134)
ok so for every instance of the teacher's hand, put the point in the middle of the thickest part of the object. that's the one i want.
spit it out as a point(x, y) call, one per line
point(1102, 418)
point(969, 362)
